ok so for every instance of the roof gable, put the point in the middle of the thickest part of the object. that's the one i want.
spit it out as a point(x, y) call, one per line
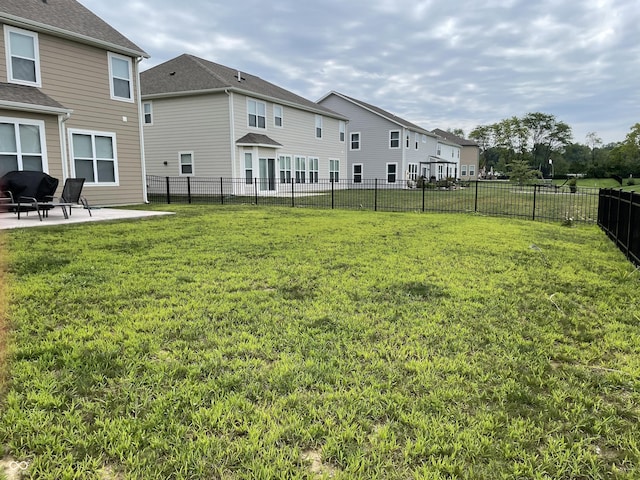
point(383, 113)
point(66, 18)
point(188, 74)
point(463, 142)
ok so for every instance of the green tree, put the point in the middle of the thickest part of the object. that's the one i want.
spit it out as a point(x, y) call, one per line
point(520, 172)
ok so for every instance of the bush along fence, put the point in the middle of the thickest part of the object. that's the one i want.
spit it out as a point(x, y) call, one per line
point(619, 218)
point(542, 202)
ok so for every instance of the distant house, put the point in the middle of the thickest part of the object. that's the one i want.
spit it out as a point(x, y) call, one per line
point(69, 99)
point(207, 120)
point(382, 145)
point(446, 163)
point(469, 156)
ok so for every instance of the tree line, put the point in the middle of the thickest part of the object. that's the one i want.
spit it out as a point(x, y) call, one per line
point(542, 143)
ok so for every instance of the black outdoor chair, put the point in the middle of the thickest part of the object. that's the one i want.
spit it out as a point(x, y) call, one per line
point(72, 195)
point(29, 191)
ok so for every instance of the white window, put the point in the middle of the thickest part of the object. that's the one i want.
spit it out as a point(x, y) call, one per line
point(334, 171)
point(424, 139)
point(22, 145)
point(394, 139)
point(313, 169)
point(285, 168)
point(472, 170)
point(341, 129)
point(23, 57)
point(278, 115)
point(417, 141)
point(355, 141)
point(357, 173)
point(412, 172)
point(439, 150)
point(248, 168)
point(301, 169)
point(120, 77)
point(94, 157)
point(186, 163)
point(392, 172)
point(257, 113)
point(407, 140)
point(318, 126)
point(463, 170)
point(147, 113)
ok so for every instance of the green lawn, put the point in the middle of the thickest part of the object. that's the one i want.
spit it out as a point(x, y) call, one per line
point(242, 343)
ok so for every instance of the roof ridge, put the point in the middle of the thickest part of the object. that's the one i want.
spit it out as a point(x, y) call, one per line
point(199, 61)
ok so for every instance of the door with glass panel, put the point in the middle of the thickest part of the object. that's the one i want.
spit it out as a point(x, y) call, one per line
point(267, 170)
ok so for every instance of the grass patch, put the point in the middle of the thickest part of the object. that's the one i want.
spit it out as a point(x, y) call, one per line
point(231, 342)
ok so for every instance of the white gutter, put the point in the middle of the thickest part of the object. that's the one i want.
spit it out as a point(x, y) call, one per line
point(59, 32)
point(141, 132)
point(29, 107)
point(62, 118)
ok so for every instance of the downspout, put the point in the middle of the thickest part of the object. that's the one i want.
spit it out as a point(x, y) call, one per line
point(141, 133)
point(232, 135)
point(404, 154)
point(63, 145)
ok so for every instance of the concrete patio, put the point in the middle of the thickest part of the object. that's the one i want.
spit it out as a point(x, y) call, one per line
point(79, 215)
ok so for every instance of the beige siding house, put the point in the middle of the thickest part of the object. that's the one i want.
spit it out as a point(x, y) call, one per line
point(469, 154)
point(202, 119)
point(69, 101)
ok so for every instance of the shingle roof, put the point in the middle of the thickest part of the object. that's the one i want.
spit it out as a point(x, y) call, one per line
point(384, 113)
point(67, 17)
point(188, 74)
point(257, 139)
point(463, 142)
point(24, 95)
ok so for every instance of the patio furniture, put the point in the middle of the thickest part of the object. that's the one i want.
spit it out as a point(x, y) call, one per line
point(72, 195)
point(29, 191)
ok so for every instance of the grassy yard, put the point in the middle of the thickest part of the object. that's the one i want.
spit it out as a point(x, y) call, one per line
point(241, 343)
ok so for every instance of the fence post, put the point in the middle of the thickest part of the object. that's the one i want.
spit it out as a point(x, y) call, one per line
point(375, 196)
point(255, 189)
point(332, 195)
point(168, 191)
point(424, 188)
point(293, 204)
point(628, 241)
point(535, 189)
point(475, 205)
point(221, 192)
point(189, 190)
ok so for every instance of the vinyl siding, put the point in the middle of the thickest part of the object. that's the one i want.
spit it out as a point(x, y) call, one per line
point(196, 123)
point(77, 76)
point(470, 156)
point(297, 137)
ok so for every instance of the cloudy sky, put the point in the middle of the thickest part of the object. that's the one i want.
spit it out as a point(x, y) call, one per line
point(440, 64)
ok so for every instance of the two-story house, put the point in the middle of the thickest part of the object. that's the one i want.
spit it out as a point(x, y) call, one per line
point(469, 155)
point(382, 145)
point(69, 99)
point(446, 163)
point(204, 119)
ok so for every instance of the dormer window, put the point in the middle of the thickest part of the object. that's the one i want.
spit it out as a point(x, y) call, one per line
point(23, 58)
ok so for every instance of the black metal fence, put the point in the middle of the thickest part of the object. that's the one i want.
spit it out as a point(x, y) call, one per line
point(619, 218)
point(496, 198)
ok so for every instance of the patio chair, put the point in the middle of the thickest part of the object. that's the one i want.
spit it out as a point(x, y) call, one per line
point(29, 190)
point(72, 195)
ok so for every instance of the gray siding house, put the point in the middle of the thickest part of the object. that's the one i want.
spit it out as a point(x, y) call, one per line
point(469, 156)
point(69, 102)
point(382, 145)
point(204, 119)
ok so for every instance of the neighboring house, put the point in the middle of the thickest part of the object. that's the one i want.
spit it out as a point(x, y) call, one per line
point(69, 99)
point(203, 119)
point(469, 156)
point(446, 163)
point(382, 145)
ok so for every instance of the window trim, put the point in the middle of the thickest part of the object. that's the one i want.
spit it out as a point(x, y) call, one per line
point(319, 126)
point(472, 170)
point(193, 163)
point(257, 102)
point(391, 140)
point(416, 137)
point(299, 174)
point(281, 116)
point(353, 172)
point(313, 168)
point(342, 131)
point(248, 180)
point(332, 172)
point(112, 56)
point(144, 113)
point(43, 139)
point(351, 141)
point(36, 51)
point(286, 168)
point(463, 171)
point(395, 164)
point(114, 145)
